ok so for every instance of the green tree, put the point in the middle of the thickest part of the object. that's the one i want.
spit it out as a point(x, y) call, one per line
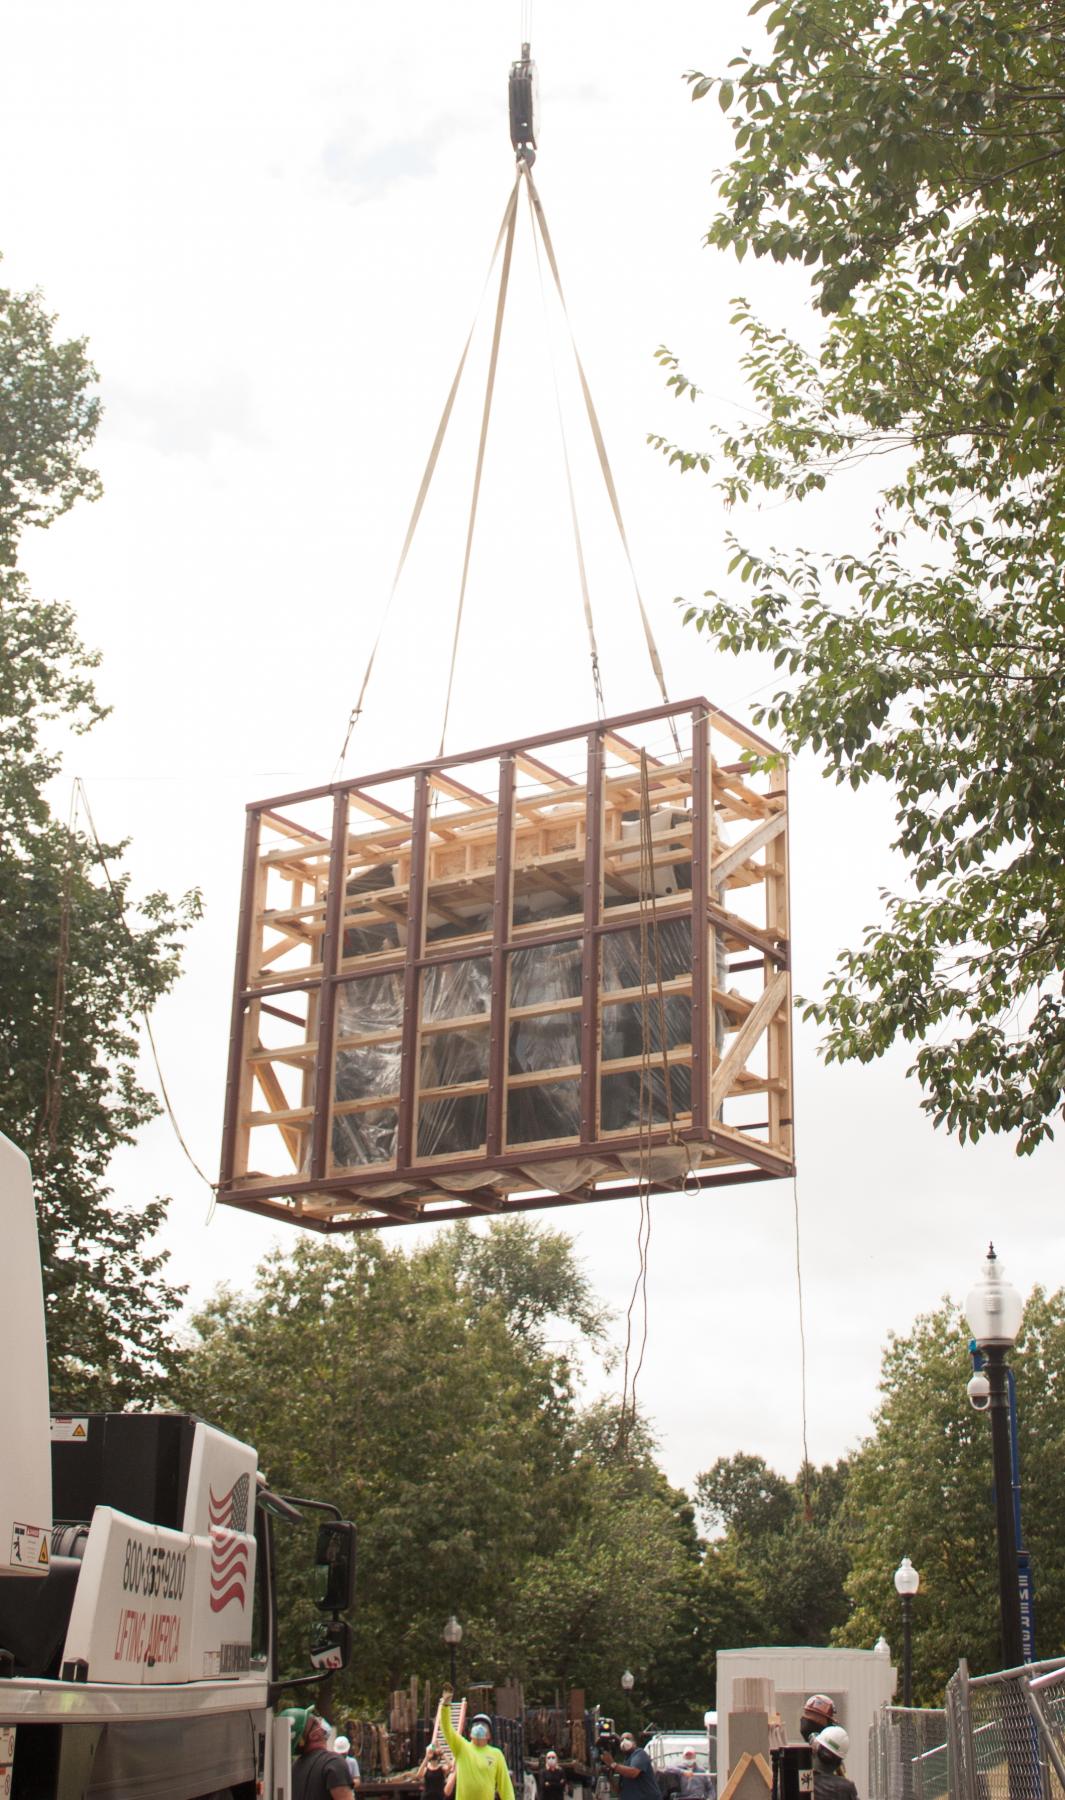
point(913, 159)
point(49, 412)
point(783, 1551)
point(920, 1486)
point(618, 1589)
point(414, 1394)
point(77, 961)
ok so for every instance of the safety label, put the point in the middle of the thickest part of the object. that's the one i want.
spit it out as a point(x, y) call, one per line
point(7, 1757)
point(29, 1546)
point(70, 1431)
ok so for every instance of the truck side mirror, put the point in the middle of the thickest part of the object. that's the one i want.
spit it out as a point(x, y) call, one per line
point(335, 1553)
point(331, 1645)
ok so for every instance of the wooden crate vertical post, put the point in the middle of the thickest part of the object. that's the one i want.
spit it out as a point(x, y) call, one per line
point(779, 1036)
point(408, 1071)
point(593, 890)
point(501, 904)
point(703, 962)
point(321, 1126)
point(237, 1050)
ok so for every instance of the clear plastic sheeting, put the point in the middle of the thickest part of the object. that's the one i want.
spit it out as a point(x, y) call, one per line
point(372, 1004)
point(540, 1114)
point(456, 990)
point(462, 990)
point(669, 941)
point(545, 972)
point(547, 975)
point(365, 1137)
point(629, 1097)
point(370, 1008)
point(452, 1127)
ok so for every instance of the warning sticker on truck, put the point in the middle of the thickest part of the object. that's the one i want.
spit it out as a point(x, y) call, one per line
point(29, 1547)
point(70, 1431)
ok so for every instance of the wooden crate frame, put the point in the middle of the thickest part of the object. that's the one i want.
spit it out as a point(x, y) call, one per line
point(731, 792)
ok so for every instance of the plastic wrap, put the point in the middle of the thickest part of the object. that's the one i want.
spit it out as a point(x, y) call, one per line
point(449, 1127)
point(455, 990)
point(367, 1071)
point(626, 1096)
point(545, 972)
point(541, 975)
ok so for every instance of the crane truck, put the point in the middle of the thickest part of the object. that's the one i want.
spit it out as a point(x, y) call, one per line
point(138, 1616)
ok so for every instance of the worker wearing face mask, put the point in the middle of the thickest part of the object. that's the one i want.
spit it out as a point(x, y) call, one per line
point(636, 1776)
point(481, 1770)
point(553, 1783)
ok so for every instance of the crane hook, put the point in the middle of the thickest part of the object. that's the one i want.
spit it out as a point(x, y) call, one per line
point(524, 107)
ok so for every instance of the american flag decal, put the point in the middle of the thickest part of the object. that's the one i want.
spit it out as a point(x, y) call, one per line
point(229, 1554)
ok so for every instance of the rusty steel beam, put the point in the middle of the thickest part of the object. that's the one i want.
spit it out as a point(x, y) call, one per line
point(702, 971)
point(544, 1202)
point(492, 752)
point(498, 1054)
point(593, 865)
point(408, 1067)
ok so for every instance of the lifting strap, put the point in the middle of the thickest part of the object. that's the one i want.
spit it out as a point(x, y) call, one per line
point(586, 598)
point(489, 390)
point(505, 241)
point(505, 229)
point(600, 445)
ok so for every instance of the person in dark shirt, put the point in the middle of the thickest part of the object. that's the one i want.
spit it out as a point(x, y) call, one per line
point(433, 1774)
point(317, 1772)
point(553, 1783)
point(636, 1776)
point(830, 1781)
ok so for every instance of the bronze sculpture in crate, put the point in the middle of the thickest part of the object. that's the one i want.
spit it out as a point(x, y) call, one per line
point(526, 976)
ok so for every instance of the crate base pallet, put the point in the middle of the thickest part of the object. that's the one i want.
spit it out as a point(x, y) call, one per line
point(548, 972)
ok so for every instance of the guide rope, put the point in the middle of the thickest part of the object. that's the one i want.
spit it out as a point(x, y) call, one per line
point(650, 951)
point(120, 912)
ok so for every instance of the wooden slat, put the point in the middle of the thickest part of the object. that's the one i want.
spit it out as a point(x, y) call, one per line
point(731, 859)
point(750, 1031)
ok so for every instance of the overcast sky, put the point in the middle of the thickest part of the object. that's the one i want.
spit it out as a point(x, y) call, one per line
point(273, 224)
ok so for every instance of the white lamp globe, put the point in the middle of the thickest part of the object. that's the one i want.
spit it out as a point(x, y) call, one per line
point(993, 1307)
point(907, 1580)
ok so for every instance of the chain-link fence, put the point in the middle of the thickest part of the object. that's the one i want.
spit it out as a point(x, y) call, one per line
point(908, 1754)
point(1007, 1733)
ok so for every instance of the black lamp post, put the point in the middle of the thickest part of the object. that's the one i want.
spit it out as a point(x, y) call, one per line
point(907, 1582)
point(994, 1310)
point(452, 1638)
point(628, 1682)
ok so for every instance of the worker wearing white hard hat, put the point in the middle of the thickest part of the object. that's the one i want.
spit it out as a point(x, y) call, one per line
point(480, 1769)
point(830, 1747)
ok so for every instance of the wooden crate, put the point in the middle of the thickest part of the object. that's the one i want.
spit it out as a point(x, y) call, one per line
point(526, 976)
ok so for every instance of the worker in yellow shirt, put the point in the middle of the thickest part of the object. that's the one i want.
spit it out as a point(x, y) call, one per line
point(481, 1769)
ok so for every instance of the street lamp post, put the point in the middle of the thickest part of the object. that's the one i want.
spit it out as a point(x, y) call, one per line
point(628, 1682)
point(452, 1638)
point(907, 1582)
point(994, 1310)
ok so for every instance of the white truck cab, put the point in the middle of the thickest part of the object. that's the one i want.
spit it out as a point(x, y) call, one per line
point(138, 1653)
